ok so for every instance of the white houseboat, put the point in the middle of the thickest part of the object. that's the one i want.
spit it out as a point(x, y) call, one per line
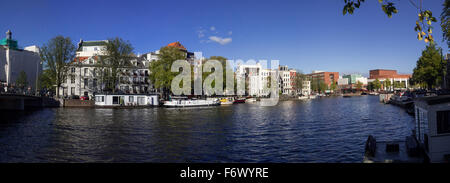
point(112, 100)
point(191, 103)
point(432, 130)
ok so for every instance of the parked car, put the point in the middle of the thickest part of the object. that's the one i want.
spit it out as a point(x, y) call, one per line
point(84, 97)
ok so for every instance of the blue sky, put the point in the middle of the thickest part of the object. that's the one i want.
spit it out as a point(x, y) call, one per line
point(306, 35)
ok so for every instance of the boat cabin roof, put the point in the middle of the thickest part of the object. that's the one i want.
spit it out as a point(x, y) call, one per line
point(428, 101)
point(125, 94)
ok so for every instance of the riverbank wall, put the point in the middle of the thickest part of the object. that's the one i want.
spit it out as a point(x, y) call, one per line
point(77, 103)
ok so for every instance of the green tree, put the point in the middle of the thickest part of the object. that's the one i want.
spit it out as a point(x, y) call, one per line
point(445, 25)
point(56, 54)
point(322, 86)
point(298, 81)
point(445, 22)
point(387, 84)
point(429, 67)
point(119, 54)
point(315, 85)
point(425, 17)
point(22, 80)
point(376, 84)
point(370, 86)
point(333, 86)
point(359, 85)
point(224, 63)
point(45, 80)
point(160, 74)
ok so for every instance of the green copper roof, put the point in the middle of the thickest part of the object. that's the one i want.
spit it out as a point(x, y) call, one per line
point(10, 43)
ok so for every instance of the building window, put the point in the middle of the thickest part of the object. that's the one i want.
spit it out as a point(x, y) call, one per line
point(72, 79)
point(130, 99)
point(86, 71)
point(72, 69)
point(443, 122)
point(86, 82)
point(72, 90)
point(94, 83)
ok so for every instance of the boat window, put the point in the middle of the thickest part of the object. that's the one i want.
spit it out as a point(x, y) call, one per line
point(130, 99)
point(421, 124)
point(100, 98)
point(443, 122)
point(116, 100)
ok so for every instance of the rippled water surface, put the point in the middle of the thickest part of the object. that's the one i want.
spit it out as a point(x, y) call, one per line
point(322, 130)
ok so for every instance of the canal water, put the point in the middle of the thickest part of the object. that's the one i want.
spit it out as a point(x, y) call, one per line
point(322, 130)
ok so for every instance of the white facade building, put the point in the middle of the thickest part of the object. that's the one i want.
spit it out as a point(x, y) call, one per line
point(343, 81)
point(14, 60)
point(85, 74)
point(258, 77)
point(251, 73)
point(306, 90)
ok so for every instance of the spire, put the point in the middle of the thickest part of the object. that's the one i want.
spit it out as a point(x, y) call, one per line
point(9, 34)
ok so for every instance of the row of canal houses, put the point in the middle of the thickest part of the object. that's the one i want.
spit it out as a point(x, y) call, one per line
point(85, 72)
point(84, 77)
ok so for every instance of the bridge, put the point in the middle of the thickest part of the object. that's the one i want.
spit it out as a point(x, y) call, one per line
point(22, 102)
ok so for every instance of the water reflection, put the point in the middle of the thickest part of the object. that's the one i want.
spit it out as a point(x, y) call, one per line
point(321, 130)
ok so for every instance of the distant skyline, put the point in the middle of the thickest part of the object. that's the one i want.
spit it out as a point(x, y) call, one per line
point(305, 36)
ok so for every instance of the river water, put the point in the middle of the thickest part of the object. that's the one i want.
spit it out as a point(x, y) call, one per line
point(321, 130)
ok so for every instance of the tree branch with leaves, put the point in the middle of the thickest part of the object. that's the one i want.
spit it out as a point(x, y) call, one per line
point(423, 24)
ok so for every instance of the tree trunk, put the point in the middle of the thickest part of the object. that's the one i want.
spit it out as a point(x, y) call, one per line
point(57, 90)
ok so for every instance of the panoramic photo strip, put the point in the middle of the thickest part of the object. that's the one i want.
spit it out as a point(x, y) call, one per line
point(224, 90)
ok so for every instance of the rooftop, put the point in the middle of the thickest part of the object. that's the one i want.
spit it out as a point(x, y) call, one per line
point(177, 45)
point(435, 100)
point(91, 43)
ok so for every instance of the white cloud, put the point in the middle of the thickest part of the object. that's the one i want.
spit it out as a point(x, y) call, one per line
point(212, 28)
point(201, 33)
point(222, 41)
point(230, 32)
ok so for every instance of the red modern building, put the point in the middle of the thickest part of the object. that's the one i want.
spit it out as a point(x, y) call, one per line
point(327, 77)
point(392, 75)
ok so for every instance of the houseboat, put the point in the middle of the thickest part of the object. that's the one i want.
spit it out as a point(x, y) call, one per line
point(429, 141)
point(191, 103)
point(432, 127)
point(126, 100)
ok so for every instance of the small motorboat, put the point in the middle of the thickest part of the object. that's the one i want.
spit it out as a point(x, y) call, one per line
point(226, 101)
point(239, 101)
point(303, 97)
point(251, 99)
